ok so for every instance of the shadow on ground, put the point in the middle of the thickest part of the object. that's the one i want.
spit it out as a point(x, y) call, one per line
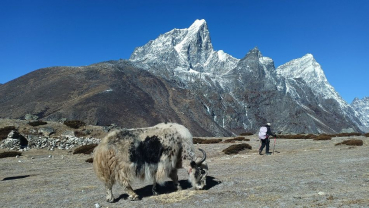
point(15, 177)
point(169, 188)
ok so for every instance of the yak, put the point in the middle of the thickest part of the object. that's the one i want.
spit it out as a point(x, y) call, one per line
point(151, 153)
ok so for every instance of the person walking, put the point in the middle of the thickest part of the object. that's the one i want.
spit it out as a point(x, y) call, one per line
point(264, 134)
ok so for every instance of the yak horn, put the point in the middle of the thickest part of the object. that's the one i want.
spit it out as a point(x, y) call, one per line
point(203, 158)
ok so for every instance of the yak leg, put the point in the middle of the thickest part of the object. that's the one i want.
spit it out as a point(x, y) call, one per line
point(174, 176)
point(109, 192)
point(131, 194)
point(154, 192)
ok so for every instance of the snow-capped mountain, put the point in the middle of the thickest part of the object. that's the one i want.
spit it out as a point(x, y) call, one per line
point(311, 72)
point(244, 94)
point(184, 50)
point(361, 106)
point(178, 77)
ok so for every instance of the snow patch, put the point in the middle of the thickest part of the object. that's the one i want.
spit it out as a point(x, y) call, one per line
point(222, 56)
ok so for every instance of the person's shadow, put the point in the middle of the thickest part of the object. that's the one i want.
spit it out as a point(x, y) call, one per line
point(169, 188)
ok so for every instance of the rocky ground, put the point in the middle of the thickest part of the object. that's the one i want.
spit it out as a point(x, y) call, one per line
point(301, 173)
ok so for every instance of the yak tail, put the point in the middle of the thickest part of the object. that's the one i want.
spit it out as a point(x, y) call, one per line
point(104, 164)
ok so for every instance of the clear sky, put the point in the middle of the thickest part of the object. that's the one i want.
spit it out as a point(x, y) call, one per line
point(41, 33)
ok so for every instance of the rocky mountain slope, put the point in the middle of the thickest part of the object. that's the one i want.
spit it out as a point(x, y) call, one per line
point(296, 96)
point(103, 94)
point(361, 106)
point(179, 77)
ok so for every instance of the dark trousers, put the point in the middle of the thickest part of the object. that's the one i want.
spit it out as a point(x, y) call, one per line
point(264, 142)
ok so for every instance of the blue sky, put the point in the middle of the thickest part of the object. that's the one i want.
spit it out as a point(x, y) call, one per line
point(35, 34)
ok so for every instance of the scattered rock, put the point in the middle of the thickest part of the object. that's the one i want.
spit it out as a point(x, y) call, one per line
point(330, 197)
point(15, 140)
point(43, 142)
point(30, 117)
point(68, 134)
point(321, 193)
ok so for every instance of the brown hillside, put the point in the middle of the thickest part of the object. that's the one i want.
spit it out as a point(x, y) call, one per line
point(103, 94)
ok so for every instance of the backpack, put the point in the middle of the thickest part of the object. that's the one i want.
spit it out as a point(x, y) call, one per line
point(263, 132)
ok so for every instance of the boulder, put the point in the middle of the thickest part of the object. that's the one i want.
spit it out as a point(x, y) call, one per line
point(15, 135)
point(46, 131)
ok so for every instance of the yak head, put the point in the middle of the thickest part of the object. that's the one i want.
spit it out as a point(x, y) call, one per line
point(197, 172)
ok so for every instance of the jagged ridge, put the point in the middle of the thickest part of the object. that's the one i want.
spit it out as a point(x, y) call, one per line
point(314, 106)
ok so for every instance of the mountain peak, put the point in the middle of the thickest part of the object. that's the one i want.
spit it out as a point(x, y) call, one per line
point(307, 58)
point(308, 55)
point(255, 49)
point(356, 99)
point(199, 26)
point(198, 23)
point(308, 69)
point(255, 52)
point(304, 67)
point(184, 50)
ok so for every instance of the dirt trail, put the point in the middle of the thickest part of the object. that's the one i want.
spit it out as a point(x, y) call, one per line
point(305, 173)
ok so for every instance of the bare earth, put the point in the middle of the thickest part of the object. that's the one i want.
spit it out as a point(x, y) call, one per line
point(305, 173)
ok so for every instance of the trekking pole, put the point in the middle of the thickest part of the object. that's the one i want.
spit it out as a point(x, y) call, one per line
point(275, 138)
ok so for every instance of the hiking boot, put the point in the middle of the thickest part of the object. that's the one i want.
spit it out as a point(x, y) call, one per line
point(260, 153)
point(268, 153)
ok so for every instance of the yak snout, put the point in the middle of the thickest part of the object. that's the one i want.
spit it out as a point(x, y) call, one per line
point(199, 172)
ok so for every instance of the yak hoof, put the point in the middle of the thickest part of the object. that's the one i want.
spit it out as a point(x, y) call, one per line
point(133, 198)
point(110, 200)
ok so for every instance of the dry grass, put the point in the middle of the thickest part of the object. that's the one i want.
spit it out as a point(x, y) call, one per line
point(37, 123)
point(236, 139)
point(347, 134)
point(352, 142)
point(323, 137)
point(75, 124)
point(86, 149)
point(206, 141)
point(10, 154)
point(174, 197)
point(298, 136)
point(307, 136)
point(80, 133)
point(317, 137)
point(246, 134)
point(236, 148)
point(90, 160)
